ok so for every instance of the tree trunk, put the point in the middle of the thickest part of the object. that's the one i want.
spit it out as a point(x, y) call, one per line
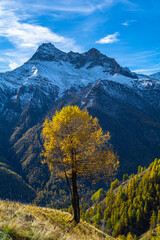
point(75, 198)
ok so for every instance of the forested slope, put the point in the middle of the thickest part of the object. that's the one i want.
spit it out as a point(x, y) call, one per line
point(134, 206)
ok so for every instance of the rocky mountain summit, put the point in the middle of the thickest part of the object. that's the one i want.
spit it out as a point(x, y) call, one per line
point(50, 72)
point(48, 52)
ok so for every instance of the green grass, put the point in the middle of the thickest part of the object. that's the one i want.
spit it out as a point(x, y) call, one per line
point(27, 222)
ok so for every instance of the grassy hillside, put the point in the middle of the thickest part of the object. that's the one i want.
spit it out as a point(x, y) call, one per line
point(26, 222)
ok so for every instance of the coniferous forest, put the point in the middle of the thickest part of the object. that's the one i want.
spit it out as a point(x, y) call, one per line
point(132, 206)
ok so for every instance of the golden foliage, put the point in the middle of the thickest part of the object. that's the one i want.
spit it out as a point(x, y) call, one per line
point(74, 141)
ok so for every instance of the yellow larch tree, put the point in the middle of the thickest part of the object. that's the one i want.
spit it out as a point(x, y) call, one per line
point(75, 146)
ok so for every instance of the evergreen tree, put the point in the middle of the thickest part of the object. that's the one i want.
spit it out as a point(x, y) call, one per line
point(153, 220)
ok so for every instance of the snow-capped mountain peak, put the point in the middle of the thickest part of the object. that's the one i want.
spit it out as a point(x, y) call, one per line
point(48, 52)
point(51, 72)
point(94, 52)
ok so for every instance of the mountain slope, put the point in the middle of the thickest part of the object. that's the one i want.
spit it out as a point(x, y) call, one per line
point(126, 104)
point(50, 71)
point(155, 76)
point(13, 186)
point(30, 222)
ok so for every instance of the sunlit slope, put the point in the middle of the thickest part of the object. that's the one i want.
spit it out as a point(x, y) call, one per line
point(18, 221)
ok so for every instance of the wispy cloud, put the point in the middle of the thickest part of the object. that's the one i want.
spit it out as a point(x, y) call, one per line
point(144, 62)
point(127, 23)
point(81, 6)
point(148, 71)
point(29, 35)
point(13, 65)
point(70, 6)
point(112, 38)
point(26, 37)
point(77, 9)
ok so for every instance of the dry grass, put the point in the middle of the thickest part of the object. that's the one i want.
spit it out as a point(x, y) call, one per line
point(151, 234)
point(27, 222)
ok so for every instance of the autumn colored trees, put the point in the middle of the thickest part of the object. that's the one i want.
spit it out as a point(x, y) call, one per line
point(134, 207)
point(75, 146)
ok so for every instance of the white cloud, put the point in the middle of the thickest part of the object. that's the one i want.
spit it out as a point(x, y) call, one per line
point(109, 39)
point(125, 23)
point(13, 58)
point(13, 65)
point(148, 71)
point(81, 6)
point(26, 37)
point(141, 62)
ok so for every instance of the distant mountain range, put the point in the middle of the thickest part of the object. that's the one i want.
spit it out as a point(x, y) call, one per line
point(126, 104)
point(155, 76)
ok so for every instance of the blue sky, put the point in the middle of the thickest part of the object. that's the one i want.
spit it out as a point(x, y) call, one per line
point(123, 29)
